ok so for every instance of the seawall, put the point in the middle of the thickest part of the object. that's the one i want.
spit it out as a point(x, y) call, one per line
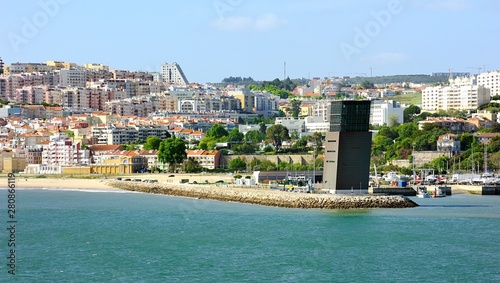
point(269, 197)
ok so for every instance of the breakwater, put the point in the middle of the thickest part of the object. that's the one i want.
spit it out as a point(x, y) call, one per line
point(269, 197)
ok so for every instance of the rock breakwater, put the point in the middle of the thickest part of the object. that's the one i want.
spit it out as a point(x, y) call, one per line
point(269, 197)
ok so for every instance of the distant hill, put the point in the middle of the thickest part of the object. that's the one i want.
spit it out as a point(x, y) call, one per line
point(417, 79)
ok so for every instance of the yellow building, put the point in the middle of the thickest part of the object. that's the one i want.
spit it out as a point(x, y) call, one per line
point(58, 65)
point(97, 67)
point(306, 109)
point(14, 164)
point(123, 164)
point(246, 97)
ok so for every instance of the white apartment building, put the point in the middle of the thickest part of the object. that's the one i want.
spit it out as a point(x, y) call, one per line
point(320, 109)
point(316, 124)
point(172, 73)
point(292, 124)
point(61, 151)
point(461, 94)
point(72, 77)
point(384, 112)
point(117, 134)
point(490, 80)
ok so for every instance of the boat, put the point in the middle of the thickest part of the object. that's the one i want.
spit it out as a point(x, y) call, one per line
point(438, 193)
point(422, 192)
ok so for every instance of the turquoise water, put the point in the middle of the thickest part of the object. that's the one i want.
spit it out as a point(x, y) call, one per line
point(79, 236)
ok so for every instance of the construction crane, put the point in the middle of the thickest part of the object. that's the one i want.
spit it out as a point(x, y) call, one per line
point(478, 69)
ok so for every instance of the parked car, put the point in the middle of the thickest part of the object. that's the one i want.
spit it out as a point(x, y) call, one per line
point(171, 175)
point(128, 179)
point(118, 178)
point(137, 180)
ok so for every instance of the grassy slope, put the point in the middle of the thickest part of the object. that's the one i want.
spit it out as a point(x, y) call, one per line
point(411, 98)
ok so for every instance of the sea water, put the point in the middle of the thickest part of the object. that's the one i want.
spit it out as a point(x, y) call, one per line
point(85, 236)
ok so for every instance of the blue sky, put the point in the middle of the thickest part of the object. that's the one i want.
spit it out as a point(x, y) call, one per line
point(214, 39)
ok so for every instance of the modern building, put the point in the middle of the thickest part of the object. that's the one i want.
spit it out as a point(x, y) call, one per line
point(490, 80)
point(461, 94)
point(72, 77)
point(61, 151)
point(347, 147)
point(172, 73)
point(386, 112)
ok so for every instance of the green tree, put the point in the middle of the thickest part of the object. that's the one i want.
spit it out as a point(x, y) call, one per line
point(409, 112)
point(295, 107)
point(172, 151)
point(237, 164)
point(276, 134)
point(235, 136)
point(192, 166)
point(152, 143)
point(254, 136)
point(217, 131)
point(366, 84)
point(244, 149)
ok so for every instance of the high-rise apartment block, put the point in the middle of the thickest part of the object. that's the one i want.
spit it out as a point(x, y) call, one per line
point(461, 94)
point(490, 80)
point(172, 73)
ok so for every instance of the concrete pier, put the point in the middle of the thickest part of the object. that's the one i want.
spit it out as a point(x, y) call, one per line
point(269, 197)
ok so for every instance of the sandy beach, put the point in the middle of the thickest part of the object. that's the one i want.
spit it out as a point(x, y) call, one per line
point(62, 183)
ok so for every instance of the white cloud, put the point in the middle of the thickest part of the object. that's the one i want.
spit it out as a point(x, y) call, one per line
point(263, 22)
point(451, 5)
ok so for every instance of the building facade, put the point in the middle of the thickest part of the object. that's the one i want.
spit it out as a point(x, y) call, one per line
point(461, 94)
point(172, 73)
point(347, 147)
point(490, 80)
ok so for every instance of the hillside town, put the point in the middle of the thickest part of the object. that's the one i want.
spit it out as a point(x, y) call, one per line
point(63, 118)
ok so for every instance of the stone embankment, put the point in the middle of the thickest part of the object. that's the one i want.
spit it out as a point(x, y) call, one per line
point(268, 197)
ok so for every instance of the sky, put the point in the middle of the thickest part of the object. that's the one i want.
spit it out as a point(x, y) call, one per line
point(215, 39)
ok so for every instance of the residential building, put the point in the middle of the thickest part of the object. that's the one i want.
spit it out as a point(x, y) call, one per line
point(246, 97)
point(292, 124)
point(18, 68)
point(485, 138)
point(209, 159)
point(449, 143)
point(72, 77)
point(172, 73)
point(461, 94)
point(490, 80)
point(61, 151)
point(386, 112)
point(34, 156)
point(455, 125)
point(315, 124)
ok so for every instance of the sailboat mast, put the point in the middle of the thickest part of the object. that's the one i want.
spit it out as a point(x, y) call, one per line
point(485, 159)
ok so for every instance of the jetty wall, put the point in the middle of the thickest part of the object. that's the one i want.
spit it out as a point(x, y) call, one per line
point(268, 197)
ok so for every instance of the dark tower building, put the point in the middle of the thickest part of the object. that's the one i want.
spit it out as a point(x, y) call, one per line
point(347, 147)
point(1, 66)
